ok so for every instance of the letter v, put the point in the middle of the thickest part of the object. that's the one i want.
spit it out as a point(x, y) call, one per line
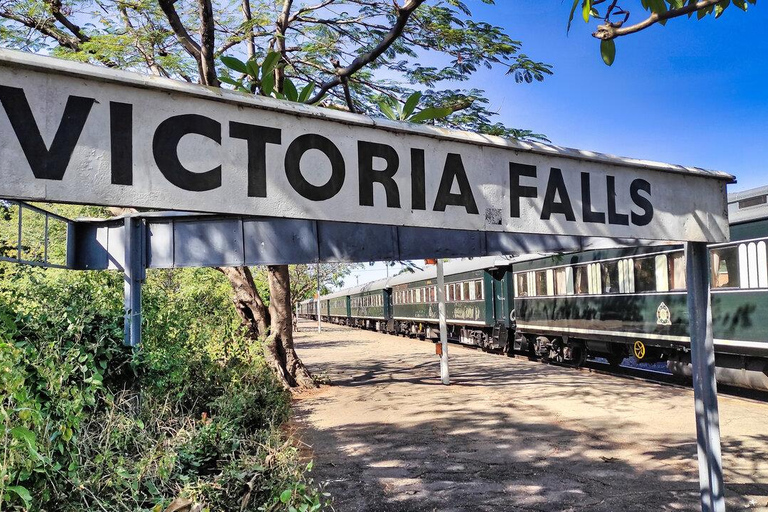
point(46, 164)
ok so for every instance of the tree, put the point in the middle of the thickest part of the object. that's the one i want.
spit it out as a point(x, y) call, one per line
point(614, 17)
point(339, 53)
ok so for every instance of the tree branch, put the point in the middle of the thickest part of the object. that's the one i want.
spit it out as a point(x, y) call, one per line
point(207, 40)
point(179, 30)
point(249, 38)
point(45, 27)
point(610, 30)
point(55, 6)
point(281, 27)
point(403, 15)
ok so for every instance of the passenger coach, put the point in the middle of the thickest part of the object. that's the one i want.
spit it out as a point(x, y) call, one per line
point(610, 303)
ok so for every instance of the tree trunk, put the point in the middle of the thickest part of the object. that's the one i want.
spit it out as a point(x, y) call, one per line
point(278, 347)
point(247, 301)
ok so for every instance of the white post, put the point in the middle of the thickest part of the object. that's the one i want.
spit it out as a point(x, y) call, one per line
point(443, 327)
point(319, 327)
point(704, 385)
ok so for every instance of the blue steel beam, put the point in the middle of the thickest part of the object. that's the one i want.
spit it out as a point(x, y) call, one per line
point(176, 240)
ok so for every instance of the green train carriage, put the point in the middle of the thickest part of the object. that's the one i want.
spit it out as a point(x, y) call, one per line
point(476, 302)
point(623, 302)
point(369, 306)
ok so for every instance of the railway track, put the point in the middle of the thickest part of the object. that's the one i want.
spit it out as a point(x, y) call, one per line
point(644, 374)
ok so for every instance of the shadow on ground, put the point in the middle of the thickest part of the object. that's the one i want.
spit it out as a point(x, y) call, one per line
point(507, 435)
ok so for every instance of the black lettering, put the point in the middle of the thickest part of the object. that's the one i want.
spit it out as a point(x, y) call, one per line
point(121, 142)
point(556, 187)
point(293, 156)
point(257, 138)
point(621, 219)
point(516, 191)
point(418, 187)
point(366, 151)
point(454, 169)
point(637, 186)
point(46, 164)
point(165, 148)
point(586, 202)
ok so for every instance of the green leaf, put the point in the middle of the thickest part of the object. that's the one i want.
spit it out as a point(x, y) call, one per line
point(720, 7)
point(430, 113)
point(570, 16)
point(741, 4)
point(386, 109)
point(270, 62)
point(230, 81)
point(25, 435)
point(268, 84)
point(22, 493)
point(306, 92)
point(608, 51)
point(410, 104)
point(234, 63)
point(289, 90)
point(285, 497)
point(586, 7)
point(253, 68)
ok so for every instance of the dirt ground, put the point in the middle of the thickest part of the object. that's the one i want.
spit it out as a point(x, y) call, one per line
point(508, 434)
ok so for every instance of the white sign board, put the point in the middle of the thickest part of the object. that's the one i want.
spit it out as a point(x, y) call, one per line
point(77, 133)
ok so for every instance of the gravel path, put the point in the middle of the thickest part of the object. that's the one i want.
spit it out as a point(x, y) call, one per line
point(508, 434)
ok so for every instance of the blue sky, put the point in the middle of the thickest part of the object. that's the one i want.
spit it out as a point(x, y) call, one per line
point(692, 93)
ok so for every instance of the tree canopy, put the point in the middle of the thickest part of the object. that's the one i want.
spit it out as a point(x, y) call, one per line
point(356, 52)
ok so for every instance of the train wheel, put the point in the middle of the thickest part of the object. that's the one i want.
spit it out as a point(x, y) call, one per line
point(614, 360)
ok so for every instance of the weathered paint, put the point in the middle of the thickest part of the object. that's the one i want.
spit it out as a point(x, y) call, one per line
point(133, 140)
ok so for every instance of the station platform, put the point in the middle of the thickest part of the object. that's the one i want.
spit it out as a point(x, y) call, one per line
point(508, 434)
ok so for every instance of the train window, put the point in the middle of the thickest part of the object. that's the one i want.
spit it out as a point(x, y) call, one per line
point(645, 275)
point(610, 276)
point(662, 273)
point(550, 282)
point(582, 280)
point(434, 294)
point(465, 291)
point(676, 270)
point(521, 284)
point(472, 292)
point(626, 276)
point(541, 283)
point(479, 290)
point(725, 267)
point(563, 281)
point(594, 285)
point(753, 272)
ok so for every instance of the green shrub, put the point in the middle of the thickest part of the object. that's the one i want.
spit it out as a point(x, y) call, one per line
point(88, 424)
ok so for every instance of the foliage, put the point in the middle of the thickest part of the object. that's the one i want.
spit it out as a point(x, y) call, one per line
point(88, 424)
point(615, 15)
point(288, 58)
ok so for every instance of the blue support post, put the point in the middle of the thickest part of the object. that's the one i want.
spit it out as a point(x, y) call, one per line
point(704, 384)
point(133, 271)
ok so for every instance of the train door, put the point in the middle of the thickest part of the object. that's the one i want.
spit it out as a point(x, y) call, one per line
point(500, 297)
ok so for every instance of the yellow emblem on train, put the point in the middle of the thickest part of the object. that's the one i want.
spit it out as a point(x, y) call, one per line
point(639, 350)
point(663, 316)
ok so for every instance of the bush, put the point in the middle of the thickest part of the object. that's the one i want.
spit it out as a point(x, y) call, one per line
point(88, 424)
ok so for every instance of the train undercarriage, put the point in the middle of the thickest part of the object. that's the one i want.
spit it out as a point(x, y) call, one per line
point(733, 370)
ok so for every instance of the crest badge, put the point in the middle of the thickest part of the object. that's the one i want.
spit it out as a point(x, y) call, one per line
point(663, 316)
